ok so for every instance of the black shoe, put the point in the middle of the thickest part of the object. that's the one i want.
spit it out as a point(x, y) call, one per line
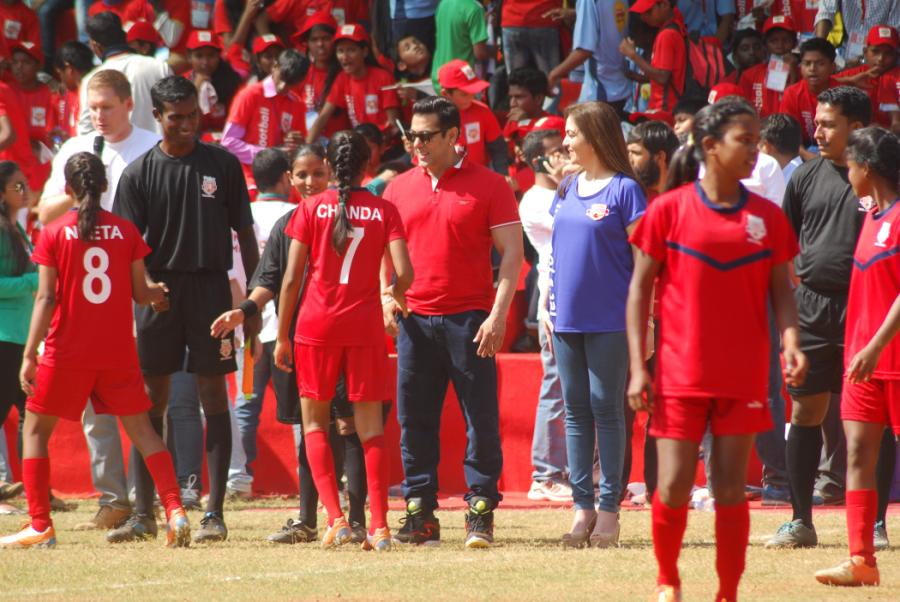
point(137, 527)
point(480, 523)
point(212, 528)
point(359, 532)
point(418, 527)
point(294, 532)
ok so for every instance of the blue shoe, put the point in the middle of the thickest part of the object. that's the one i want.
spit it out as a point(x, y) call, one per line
point(775, 496)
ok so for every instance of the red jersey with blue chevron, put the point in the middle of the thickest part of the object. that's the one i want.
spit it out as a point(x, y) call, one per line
point(874, 285)
point(713, 290)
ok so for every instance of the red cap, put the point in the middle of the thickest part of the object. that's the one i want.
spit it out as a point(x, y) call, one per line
point(459, 75)
point(720, 91)
point(323, 17)
point(353, 32)
point(883, 34)
point(642, 6)
point(142, 31)
point(779, 22)
point(664, 116)
point(266, 41)
point(201, 38)
point(550, 122)
point(29, 48)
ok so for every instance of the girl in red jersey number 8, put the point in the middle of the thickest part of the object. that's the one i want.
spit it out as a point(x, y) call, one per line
point(344, 235)
point(91, 267)
point(720, 253)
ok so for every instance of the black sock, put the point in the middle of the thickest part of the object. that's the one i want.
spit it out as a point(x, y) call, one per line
point(218, 458)
point(650, 462)
point(143, 481)
point(802, 452)
point(884, 472)
point(355, 467)
point(309, 496)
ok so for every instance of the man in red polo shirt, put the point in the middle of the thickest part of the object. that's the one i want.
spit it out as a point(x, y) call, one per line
point(879, 76)
point(267, 114)
point(454, 212)
point(668, 66)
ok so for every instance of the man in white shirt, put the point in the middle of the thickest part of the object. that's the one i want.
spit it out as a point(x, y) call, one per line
point(118, 143)
point(543, 151)
point(781, 137)
point(108, 41)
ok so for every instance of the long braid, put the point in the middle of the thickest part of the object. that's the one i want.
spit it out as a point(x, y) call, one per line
point(348, 154)
point(86, 176)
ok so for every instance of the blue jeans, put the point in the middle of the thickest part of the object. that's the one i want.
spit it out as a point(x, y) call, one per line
point(535, 46)
point(431, 352)
point(248, 409)
point(548, 446)
point(593, 368)
point(48, 14)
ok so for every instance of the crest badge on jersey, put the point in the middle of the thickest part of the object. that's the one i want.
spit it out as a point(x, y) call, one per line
point(883, 234)
point(756, 229)
point(473, 132)
point(866, 204)
point(597, 211)
point(371, 104)
point(287, 121)
point(209, 187)
point(226, 350)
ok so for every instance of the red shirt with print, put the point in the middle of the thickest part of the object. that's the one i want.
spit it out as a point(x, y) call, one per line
point(20, 23)
point(41, 112)
point(669, 54)
point(528, 13)
point(883, 91)
point(363, 98)
point(763, 99)
point(12, 106)
point(128, 11)
point(800, 103)
point(803, 12)
point(479, 126)
point(310, 92)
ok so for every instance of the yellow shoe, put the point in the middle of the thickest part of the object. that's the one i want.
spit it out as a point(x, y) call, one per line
point(178, 530)
point(850, 573)
point(337, 534)
point(666, 593)
point(29, 538)
point(380, 541)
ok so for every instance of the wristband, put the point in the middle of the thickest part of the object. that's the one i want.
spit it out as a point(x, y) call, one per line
point(249, 308)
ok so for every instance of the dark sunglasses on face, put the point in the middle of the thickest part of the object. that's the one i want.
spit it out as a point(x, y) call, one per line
point(425, 137)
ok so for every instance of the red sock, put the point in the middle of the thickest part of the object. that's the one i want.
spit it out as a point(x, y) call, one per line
point(163, 472)
point(668, 530)
point(377, 480)
point(862, 506)
point(732, 535)
point(321, 464)
point(36, 478)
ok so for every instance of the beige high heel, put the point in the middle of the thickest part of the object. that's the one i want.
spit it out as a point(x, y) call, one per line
point(579, 539)
point(608, 539)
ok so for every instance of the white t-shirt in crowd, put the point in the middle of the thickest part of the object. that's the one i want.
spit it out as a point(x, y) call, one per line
point(265, 214)
point(790, 167)
point(767, 179)
point(534, 211)
point(142, 72)
point(115, 156)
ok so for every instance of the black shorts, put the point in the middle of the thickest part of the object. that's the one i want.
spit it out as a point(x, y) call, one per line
point(822, 319)
point(196, 299)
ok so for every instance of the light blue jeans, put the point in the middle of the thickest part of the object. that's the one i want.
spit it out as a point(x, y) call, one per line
point(593, 368)
point(548, 446)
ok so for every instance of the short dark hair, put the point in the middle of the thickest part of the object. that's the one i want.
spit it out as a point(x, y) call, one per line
point(292, 66)
point(689, 105)
point(783, 132)
point(854, 104)
point(370, 132)
point(446, 111)
point(171, 89)
point(269, 165)
point(533, 144)
point(74, 53)
point(655, 136)
point(879, 149)
point(106, 29)
point(531, 79)
point(740, 34)
point(819, 45)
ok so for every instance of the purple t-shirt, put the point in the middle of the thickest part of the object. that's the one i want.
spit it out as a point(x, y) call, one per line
point(592, 259)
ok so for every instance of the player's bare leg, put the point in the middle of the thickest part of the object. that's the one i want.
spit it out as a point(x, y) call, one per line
point(369, 420)
point(213, 393)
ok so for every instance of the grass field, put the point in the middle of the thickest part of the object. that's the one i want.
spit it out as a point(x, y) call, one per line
point(526, 564)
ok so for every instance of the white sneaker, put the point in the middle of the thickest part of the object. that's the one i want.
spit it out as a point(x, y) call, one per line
point(536, 492)
point(549, 491)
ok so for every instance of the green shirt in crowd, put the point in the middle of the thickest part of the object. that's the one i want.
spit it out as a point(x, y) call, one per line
point(16, 293)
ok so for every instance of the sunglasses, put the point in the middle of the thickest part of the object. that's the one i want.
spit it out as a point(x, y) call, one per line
point(20, 187)
point(425, 137)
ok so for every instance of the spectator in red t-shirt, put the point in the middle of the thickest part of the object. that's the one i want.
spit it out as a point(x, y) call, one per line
point(480, 140)
point(233, 22)
point(40, 108)
point(764, 84)
point(359, 88)
point(128, 10)
point(266, 49)
point(216, 82)
point(748, 51)
point(816, 69)
point(20, 23)
point(802, 12)
point(667, 68)
point(879, 76)
point(73, 60)
point(15, 148)
point(143, 38)
point(530, 36)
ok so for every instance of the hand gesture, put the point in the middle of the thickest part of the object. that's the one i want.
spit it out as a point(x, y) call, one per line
point(640, 390)
point(627, 48)
point(226, 323)
point(863, 364)
point(159, 296)
point(795, 367)
point(283, 355)
point(490, 336)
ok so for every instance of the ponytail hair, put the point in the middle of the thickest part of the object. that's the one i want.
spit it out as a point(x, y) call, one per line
point(711, 120)
point(879, 149)
point(86, 176)
point(348, 154)
point(16, 246)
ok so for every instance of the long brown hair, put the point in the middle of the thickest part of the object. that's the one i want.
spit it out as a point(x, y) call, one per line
point(16, 243)
point(599, 123)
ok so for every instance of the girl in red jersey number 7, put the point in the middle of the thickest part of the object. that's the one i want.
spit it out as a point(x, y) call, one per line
point(344, 234)
point(91, 267)
point(721, 254)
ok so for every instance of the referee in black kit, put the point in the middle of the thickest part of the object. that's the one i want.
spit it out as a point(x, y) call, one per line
point(186, 197)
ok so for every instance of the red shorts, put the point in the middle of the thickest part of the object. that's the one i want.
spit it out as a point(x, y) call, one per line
point(876, 401)
point(64, 392)
point(365, 371)
point(686, 418)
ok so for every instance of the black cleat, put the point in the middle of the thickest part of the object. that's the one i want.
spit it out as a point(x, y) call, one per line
point(137, 528)
point(418, 527)
point(480, 523)
point(294, 532)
